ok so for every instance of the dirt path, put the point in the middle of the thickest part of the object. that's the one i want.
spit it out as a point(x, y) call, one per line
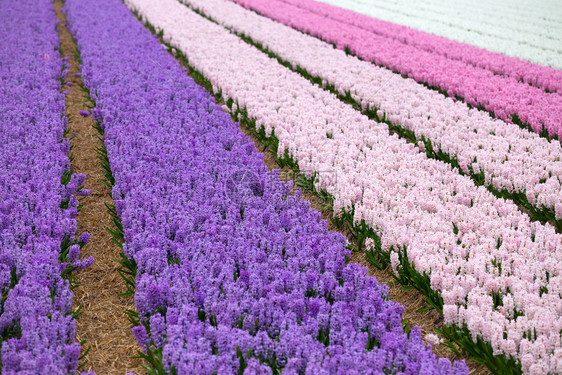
point(103, 323)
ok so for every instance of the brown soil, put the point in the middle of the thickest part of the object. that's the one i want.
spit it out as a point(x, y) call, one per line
point(103, 324)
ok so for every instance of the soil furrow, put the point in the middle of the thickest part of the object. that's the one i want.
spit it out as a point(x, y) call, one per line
point(103, 324)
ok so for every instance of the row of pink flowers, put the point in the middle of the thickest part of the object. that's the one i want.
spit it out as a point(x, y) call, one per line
point(523, 40)
point(470, 243)
point(504, 96)
point(511, 158)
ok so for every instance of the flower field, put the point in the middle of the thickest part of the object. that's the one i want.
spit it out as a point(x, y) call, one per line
point(423, 147)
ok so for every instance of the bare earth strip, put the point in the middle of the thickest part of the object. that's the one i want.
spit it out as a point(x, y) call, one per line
point(103, 323)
